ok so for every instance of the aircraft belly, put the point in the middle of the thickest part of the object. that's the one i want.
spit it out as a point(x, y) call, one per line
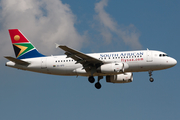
point(143, 66)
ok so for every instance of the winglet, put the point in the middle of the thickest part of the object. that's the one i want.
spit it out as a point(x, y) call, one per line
point(57, 45)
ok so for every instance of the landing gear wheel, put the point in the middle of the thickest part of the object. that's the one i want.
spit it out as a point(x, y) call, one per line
point(151, 79)
point(98, 85)
point(150, 75)
point(91, 79)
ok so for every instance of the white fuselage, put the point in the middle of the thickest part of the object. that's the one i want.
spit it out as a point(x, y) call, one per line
point(134, 61)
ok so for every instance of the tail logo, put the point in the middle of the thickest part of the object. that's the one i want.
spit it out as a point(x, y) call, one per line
point(23, 48)
point(16, 37)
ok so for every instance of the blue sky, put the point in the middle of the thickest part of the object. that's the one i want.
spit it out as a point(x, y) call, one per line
point(90, 26)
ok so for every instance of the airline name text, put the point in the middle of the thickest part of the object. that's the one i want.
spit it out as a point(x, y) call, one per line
point(121, 54)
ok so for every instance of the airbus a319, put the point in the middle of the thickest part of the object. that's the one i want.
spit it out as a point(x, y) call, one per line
point(117, 67)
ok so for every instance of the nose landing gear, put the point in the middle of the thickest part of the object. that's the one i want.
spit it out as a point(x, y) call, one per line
point(151, 79)
point(150, 75)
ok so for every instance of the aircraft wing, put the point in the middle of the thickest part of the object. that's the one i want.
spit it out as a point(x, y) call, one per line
point(80, 57)
point(18, 61)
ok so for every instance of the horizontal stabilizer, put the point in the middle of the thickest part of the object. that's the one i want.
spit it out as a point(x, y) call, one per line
point(17, 61)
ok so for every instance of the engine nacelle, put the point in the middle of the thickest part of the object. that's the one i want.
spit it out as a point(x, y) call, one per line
point(120, 78)
point(112, 68)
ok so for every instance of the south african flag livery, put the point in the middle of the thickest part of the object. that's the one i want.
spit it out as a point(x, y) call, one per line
point(22, 47)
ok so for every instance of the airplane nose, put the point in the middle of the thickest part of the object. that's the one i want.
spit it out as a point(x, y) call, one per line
point(173, 62)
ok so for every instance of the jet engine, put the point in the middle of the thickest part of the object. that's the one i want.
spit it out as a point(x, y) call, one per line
point(112, 68)
point(120, 78)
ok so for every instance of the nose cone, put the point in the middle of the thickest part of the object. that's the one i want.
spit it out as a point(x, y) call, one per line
point(172, 62)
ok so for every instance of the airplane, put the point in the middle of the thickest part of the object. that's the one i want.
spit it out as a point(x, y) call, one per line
point(117, 67)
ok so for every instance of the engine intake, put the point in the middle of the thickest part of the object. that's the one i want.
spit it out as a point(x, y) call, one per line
point(120, 78)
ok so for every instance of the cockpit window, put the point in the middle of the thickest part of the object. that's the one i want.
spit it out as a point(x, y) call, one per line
point(163, 55)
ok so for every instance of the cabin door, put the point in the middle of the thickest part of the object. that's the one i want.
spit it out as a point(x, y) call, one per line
point(149, 56)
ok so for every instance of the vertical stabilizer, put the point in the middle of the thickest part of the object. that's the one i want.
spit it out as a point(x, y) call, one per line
point(23, 48)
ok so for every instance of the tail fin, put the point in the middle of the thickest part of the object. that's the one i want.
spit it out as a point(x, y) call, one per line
point(22, 47)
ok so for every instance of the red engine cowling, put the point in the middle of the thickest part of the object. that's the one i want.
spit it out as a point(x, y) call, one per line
point(120, 78)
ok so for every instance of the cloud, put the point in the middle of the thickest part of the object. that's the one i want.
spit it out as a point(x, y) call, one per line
point(43, 22)
point(46, 22)
point(108, 27)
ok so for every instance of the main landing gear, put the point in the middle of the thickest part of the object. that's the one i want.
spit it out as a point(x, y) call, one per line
point(92, 80)
point(150, 75)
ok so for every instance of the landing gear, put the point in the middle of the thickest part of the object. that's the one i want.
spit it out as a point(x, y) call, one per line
point(91, 79)
point(150, 75)
point(98, 85)
point(151, 79)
